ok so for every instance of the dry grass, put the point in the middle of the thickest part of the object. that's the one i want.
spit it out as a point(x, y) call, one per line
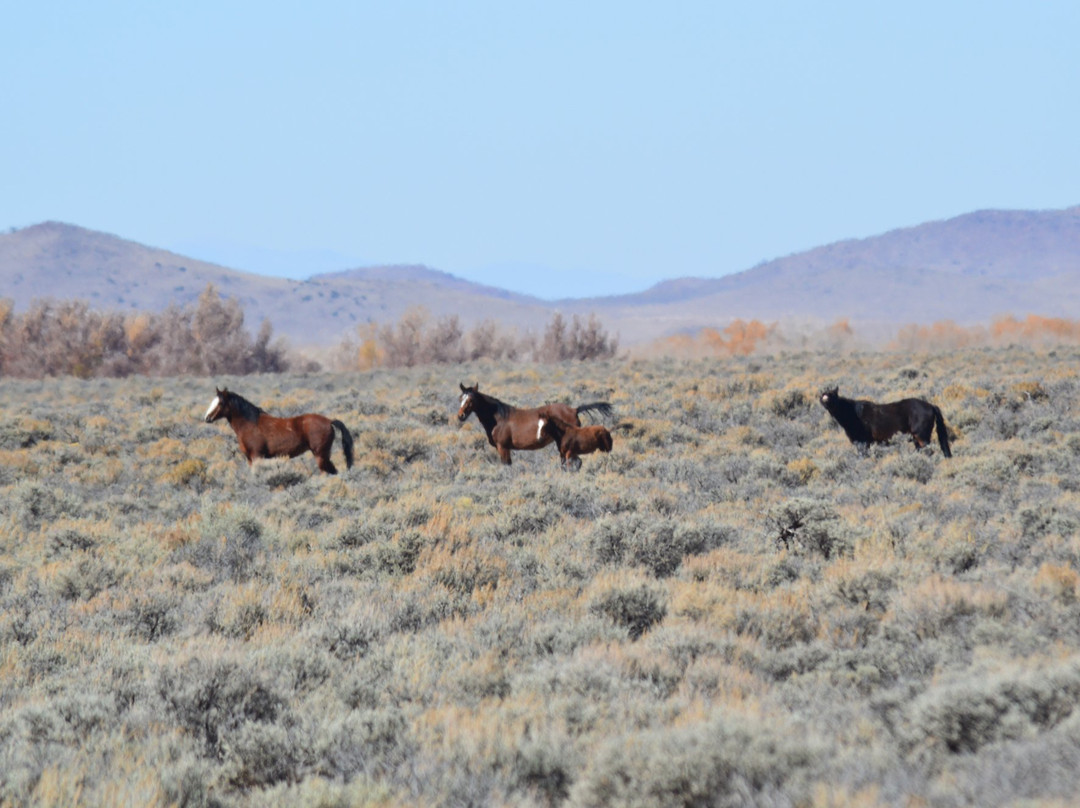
point(734, 607)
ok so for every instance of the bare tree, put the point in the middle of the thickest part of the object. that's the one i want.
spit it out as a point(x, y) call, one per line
point(401, 342)
point(590, 340)
point(582, 341)
point(553, 347)
point(487, 341)
point(220, 341)
point(442, 344)
point(414, 340)
point(57, 338)
point(267, 356)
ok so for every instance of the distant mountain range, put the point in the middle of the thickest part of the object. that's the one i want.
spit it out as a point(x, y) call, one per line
point(968, 269)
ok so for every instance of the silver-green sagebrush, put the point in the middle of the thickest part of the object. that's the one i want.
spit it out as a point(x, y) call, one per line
point(735, 606)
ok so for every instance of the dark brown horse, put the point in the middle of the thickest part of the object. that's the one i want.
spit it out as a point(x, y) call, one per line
point(509, 428)
point(866, 422)
point(574, 440)
point(263, 435)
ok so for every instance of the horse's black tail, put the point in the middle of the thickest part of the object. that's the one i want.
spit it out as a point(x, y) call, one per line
point(942, 433)
point(601, 407)
point(347, 444)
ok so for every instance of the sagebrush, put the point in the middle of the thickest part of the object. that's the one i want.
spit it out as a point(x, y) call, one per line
point(733, 607)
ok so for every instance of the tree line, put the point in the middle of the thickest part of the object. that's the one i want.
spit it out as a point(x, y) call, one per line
point(208, 337)
point(68, 338)
point(418, 339)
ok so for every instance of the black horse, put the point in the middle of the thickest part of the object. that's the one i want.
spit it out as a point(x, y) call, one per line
point(866, 422)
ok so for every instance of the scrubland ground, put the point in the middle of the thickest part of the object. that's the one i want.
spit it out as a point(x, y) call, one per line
point(735, 607)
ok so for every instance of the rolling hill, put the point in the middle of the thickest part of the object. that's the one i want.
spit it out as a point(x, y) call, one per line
point(968, 269)
point(64, 261)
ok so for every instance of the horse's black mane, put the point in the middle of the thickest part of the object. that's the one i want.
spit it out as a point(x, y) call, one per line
point(242, 407)
point(501, 408)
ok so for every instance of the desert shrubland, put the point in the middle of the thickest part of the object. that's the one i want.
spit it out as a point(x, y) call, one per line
point(736, 606)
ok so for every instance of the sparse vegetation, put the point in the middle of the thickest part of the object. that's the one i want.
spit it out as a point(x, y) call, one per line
point(733, 607)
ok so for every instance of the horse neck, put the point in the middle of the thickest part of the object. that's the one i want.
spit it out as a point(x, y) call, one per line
point(848, 406)
point(490, 412)
point(243, 412)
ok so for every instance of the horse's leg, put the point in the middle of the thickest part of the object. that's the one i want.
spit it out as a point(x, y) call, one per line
point(920, 432)
point(322, 457)
point(321, 442)
point(502, 438)
point(249, 452)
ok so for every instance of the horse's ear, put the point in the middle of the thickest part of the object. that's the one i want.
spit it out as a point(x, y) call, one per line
point(459, 384)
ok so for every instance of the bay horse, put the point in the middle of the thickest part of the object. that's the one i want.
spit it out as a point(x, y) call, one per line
point(866, 422)
point(574, 440)
point(262, 435)
point(508, 427)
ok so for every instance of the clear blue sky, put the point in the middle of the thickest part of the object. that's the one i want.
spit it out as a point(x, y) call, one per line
point(557, 148)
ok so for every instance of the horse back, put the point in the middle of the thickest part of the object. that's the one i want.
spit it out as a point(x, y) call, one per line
point(564, 412)
point(518, 429)
point(296, 434)
point(912, 416)
point(586, 439)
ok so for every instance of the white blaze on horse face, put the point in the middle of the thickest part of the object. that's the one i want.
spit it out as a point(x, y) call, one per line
point(213, 406)
point(539, 428)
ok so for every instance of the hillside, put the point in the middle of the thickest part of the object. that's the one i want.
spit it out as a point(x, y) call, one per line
point(968, 269)
point(64, 261)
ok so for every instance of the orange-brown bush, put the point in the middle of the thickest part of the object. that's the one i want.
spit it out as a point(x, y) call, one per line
point(1033, 330)
point(744, 338)
point(737, 338)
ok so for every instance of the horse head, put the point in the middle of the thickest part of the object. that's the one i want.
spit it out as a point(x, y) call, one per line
point(219, 407)
point(829, 396)
point(467, 400)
